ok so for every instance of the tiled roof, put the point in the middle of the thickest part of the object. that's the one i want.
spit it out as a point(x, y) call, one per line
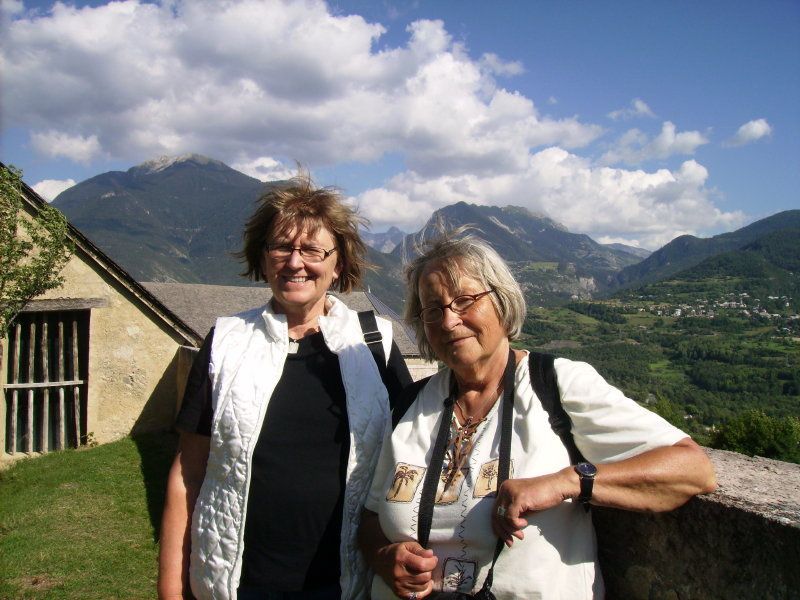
point(199, 305)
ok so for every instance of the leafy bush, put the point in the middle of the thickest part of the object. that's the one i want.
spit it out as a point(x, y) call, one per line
point(757, 434)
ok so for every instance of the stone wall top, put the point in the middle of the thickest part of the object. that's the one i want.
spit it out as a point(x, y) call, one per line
point(768, 487)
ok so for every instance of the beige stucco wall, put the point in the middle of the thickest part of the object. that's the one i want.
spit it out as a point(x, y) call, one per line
point(419, 368)
point(133, 362)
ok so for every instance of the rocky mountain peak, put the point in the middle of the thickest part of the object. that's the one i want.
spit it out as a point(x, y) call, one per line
point(163, 163)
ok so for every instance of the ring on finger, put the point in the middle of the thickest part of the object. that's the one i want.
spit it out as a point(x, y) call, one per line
point(501, 511)
point(412, 595)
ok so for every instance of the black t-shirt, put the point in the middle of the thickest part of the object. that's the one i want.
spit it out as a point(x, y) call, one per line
point(294, 516)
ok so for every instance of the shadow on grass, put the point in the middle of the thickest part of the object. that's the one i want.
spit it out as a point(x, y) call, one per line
point(156, 451)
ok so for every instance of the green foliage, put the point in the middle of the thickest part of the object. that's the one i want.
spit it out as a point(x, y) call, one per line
point(757, 434)
point(718, 376)
point(32, 249)
point(698, 372)
point(601, 312)
point(670, 411)
point(681, 254)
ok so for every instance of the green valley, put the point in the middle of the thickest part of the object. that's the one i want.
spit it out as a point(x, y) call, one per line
point(700, 364)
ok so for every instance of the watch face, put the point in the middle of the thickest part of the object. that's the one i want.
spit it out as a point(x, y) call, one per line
point(586, 469)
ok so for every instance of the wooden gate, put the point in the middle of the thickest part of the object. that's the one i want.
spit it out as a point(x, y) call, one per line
point(46, 392)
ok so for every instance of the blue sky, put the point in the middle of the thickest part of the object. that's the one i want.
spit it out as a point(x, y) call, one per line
point(628, 121)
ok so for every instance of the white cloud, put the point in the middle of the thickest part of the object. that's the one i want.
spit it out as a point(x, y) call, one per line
point(606, 239)
point(385, 207)
point(261, 83)
point(494, 64)
point(74, 147)
point(50, 188)
point(634, 147)
point(646, 209)
point(10, 8)
point(265, 168)
point(638, 108)
point(750, 132)
point(244, 79)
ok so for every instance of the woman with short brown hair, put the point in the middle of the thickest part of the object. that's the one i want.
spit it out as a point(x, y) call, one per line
point(282, 420)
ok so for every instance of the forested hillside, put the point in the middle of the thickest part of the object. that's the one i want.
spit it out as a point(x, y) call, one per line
point(687, 251)
point(716, 346)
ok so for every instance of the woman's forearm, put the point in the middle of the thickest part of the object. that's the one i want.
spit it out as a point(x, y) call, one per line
point(371, 538)
point(183, 485)
point(658, 480)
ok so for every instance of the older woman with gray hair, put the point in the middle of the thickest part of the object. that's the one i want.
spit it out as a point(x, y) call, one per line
point(477, 492)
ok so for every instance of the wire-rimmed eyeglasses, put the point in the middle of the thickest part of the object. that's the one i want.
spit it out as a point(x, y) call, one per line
point(309, 254)
point(459, 305)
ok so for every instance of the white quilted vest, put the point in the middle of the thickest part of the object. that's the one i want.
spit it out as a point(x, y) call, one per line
point(247, 357)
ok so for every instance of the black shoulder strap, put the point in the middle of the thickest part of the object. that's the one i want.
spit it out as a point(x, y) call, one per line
point(545, 384)
point(373, 339)
point(406, 399)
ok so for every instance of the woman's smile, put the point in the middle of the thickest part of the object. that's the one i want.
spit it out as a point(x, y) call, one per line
point(296, 279)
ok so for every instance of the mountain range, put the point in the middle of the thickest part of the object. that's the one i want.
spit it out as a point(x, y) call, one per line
point(767, 267)
point(687, 251)
point(181, 219)
point(385, 241)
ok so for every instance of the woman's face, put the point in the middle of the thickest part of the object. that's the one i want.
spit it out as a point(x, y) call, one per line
point(462, 341)
point(299, 287)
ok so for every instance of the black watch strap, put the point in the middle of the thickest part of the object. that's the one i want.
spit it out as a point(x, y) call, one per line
point(587, 484)
point(586, 472)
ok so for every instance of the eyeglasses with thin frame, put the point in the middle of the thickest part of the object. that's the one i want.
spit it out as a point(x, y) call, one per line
point(309, 254)
point(459, 305)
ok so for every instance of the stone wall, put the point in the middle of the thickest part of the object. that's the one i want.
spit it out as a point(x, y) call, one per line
point(742, 542)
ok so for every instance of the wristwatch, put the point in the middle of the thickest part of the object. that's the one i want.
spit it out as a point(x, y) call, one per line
point(586, 471)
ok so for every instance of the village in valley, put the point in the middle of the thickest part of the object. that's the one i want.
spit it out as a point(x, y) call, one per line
point(777, 311)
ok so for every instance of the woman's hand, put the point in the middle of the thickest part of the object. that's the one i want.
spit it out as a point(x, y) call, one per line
point(517, 498)
point(406, 567)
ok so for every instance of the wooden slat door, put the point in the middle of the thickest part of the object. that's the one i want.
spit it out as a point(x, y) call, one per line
point(46, 392)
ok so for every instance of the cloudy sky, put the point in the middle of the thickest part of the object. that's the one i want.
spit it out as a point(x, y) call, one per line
point(628, 121)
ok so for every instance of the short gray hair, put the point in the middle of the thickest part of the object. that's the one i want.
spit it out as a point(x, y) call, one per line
point(463, 254)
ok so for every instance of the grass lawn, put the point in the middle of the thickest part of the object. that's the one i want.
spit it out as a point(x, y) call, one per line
point(83, 524)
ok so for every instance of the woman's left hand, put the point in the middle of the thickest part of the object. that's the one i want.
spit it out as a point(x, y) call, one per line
point(517, 498)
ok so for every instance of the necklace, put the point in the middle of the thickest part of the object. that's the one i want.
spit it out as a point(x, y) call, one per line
point(461, 444)
point(469, 419)
point(458, 450)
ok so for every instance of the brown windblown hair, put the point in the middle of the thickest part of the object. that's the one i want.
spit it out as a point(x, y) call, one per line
point(298, 203)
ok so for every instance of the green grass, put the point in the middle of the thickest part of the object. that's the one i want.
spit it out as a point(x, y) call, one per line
point(541, 266)
point(83, 524)
point(644, 318)
point(665, 371)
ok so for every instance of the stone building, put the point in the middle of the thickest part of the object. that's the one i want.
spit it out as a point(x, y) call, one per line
point(90, 361)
